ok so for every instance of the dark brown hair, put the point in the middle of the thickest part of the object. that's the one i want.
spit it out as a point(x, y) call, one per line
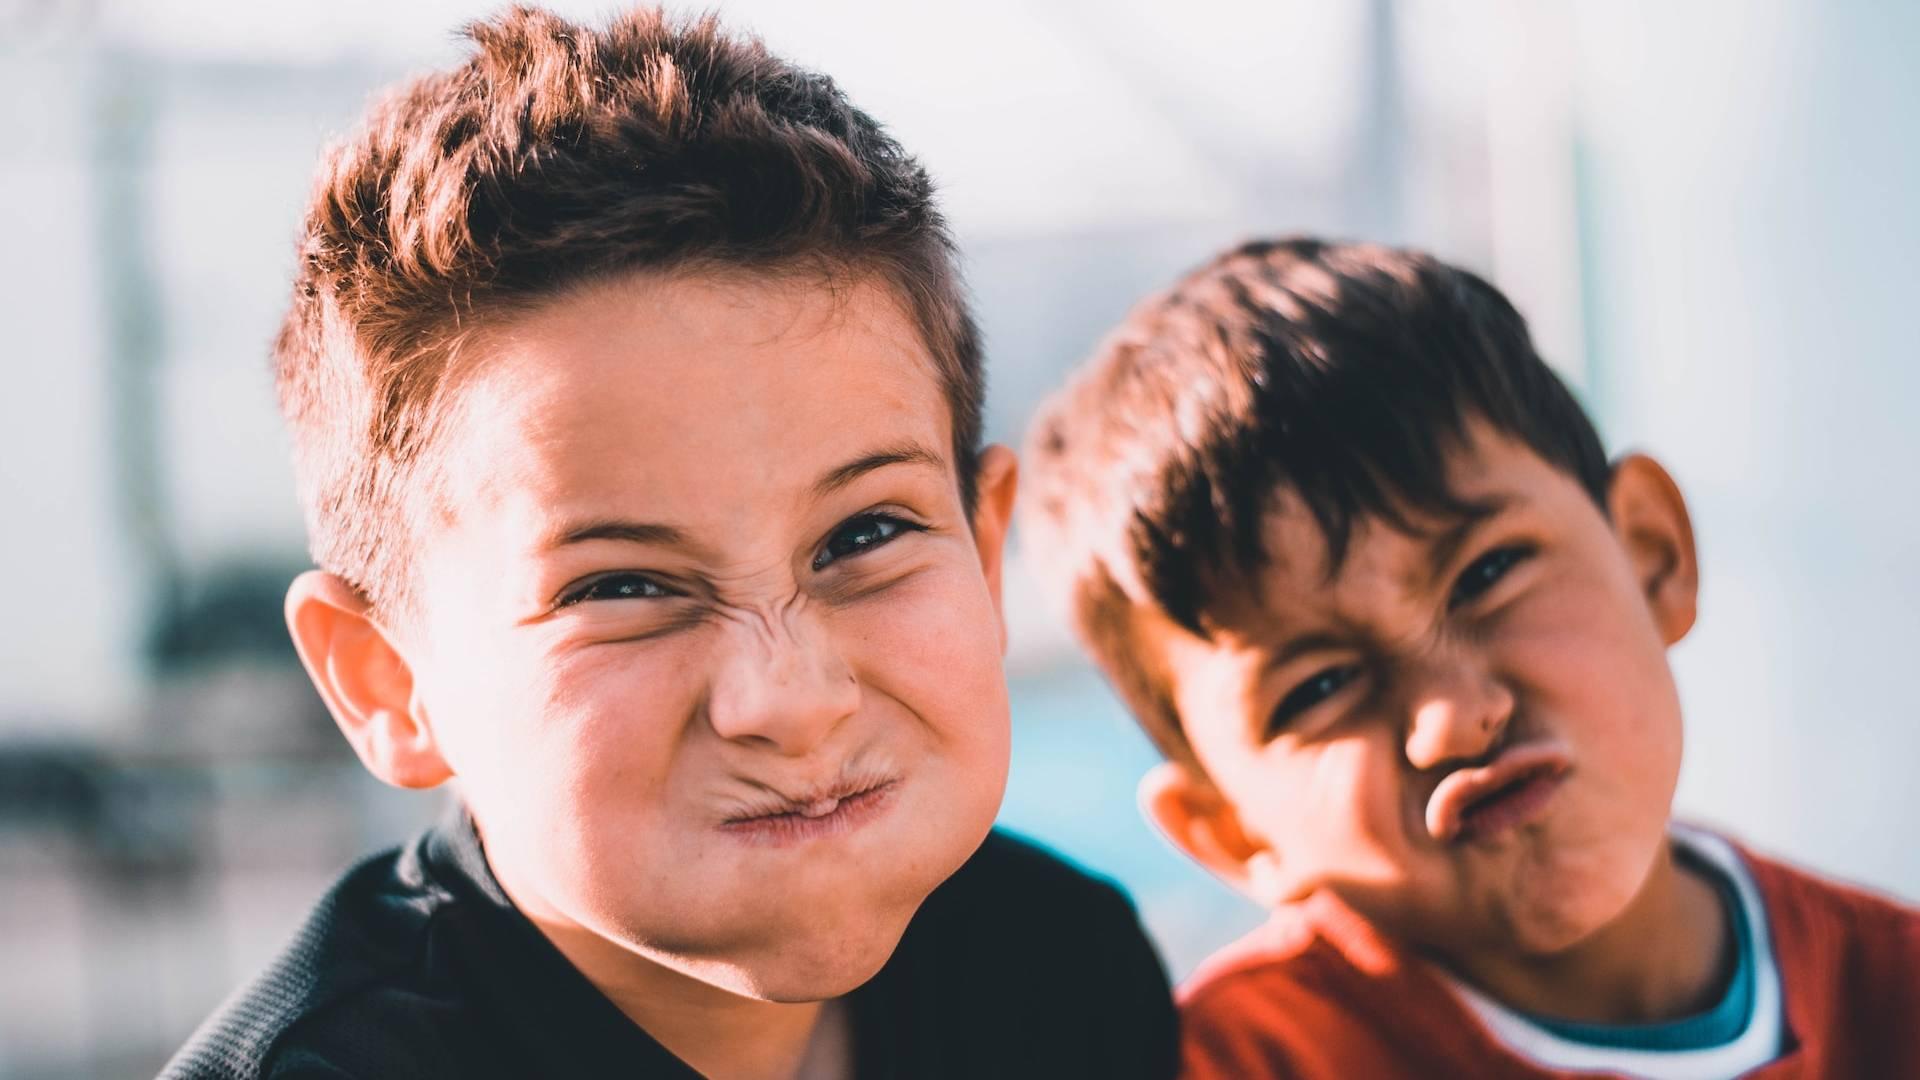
point(554, 155)
point(1342, 373)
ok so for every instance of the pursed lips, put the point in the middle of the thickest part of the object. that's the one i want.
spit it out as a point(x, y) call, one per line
point(779, 816)
point(809, 802)
point(1487, 800)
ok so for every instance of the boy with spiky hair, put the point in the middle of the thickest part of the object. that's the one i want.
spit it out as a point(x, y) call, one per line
point(1356, 560)
point(636, 407)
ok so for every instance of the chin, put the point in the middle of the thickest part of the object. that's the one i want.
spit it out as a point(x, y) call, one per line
point(824, 966)
point(1573, 903)
point(792, 987)
point(1545, 930)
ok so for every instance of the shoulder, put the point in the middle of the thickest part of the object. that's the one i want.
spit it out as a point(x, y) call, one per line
point(1008, 865)
point(1315, 992)
point(358, 947)
point(1317, 948)
point(1846, 958)
point(1051, 958)
point(1259, 989)
point(1014, 895)
point(1805, 895)
point(1823, 925)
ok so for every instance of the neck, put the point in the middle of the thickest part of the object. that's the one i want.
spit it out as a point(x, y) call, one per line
point(718, 1032)
point(1663, 958)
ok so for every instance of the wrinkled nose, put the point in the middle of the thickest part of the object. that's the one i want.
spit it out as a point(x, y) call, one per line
point(1456, 711)
point(781, 683)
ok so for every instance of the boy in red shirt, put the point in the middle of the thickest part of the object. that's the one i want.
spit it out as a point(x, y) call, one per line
point(1357, 561)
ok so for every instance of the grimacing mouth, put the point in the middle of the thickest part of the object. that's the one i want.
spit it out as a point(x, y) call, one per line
point(772, 801)
point(1461, 792)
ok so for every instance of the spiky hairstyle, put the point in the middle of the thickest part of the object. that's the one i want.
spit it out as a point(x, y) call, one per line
point(556, 154)
point(1342, 373)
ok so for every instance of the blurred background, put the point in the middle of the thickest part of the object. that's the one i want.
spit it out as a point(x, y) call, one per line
point(1707, 210)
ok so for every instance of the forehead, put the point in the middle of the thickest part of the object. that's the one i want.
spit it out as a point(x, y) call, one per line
point(1498, 475)
point(687, 397)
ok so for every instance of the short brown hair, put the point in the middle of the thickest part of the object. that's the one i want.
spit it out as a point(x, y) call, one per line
point(1342, 373)
point(554, 155)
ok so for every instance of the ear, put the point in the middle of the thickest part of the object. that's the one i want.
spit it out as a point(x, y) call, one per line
point(995, 480)
point(364, 680)
point(1191, 813)
point(1650, 519)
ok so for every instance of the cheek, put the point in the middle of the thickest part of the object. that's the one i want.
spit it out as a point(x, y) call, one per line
point(932, 643)
point(1354, 794)
point(1333, 810)
point(553, 733)
point(615, 712)
point(1590, 662)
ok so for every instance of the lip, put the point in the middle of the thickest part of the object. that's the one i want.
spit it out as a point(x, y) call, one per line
point(813, 819)
point(1508, 792)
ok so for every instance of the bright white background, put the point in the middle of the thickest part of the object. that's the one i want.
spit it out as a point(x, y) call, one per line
point(1706, 209)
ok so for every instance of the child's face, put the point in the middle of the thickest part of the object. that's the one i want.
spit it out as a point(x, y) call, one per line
point(705, 633)
point(1471, 736)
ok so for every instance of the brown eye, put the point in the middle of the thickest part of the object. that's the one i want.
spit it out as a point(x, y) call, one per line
point(617, 587)
point(1318, 688)
point(860, 534)
point(1482, 573)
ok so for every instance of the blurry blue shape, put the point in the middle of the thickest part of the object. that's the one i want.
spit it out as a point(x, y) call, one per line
point(1077, 757)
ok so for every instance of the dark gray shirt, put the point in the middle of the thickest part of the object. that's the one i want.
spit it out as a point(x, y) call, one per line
point(415, 964)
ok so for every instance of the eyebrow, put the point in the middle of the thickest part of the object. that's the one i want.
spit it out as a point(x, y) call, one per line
point(632, 532)
point(1442, 550)
point(646, 532)
point(1445, 547)
point(907, 453)
point(1300, 646)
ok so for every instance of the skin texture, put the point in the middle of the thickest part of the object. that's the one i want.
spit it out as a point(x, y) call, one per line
point(730, 635)
point(1539, 628)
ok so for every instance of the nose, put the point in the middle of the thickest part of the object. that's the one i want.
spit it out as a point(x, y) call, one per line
point(781, 683)
point(1456, 710)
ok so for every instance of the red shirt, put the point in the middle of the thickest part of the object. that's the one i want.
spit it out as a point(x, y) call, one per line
point(1318, 992)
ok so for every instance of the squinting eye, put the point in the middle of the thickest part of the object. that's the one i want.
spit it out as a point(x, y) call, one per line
point(859, 534)
point(617, 587)
point(1315, 690)
point(1481, 574)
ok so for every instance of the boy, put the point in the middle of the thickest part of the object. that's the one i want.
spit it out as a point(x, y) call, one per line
point(1355, 558)
point(636, 408)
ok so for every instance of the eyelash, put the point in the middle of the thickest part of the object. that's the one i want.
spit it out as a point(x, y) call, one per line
point(1485, 572)
point(631, 586)
point(899, 527)
point(653, 589)
point(1318, 688)
point(1479, 576)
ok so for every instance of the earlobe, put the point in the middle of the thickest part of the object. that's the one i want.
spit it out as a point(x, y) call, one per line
point(995, 481)
point(1196, 818)
point(364, 679)
point(1651, 521)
